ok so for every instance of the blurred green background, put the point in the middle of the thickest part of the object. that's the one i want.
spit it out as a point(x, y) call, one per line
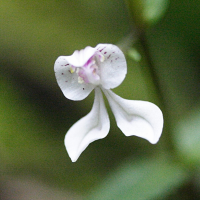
point(34, 114)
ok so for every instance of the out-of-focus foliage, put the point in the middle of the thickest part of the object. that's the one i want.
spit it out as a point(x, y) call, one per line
point(147, 12)
point(187, 137)
point(35, 115)
point(41, 30)
point(174, 45)
point(142, 179)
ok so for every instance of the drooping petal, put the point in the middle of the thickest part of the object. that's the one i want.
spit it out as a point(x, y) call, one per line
point(95, 125)
point(68, 80)
point(114, 68)
point(139, 118)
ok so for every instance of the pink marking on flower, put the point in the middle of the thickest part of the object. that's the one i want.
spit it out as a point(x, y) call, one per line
point(102, 49)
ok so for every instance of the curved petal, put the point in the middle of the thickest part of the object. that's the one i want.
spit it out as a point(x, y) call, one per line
point(80, 58)
point(68, 80)
point(139, 118)
point(95, 125)
point(114, 68)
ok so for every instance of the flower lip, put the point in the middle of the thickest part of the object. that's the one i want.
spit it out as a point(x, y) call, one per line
point(93, 126)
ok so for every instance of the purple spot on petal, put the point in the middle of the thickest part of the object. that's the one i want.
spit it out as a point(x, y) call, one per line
point(66, 64)
point(83, 88)
point(62, 73)
point(109, 56)
point(105, 52)
point(102, 49)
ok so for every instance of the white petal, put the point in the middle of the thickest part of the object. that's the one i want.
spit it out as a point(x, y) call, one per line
point(139, 118)
point(114, 68)
point(95, 125)
point(79, 58)
point(68, 81)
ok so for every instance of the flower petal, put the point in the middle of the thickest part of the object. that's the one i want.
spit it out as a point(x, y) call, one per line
point(79, 58)
point(95, 125)
point(68, 80)
point(139, 118)
point(114, 68)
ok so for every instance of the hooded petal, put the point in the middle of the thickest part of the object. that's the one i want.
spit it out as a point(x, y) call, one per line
point(139, 118)
point(80, 58)
point(68, 81)
point(95, 125)
point(114, 68)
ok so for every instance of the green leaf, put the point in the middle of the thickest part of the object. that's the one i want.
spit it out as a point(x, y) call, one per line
point(141, 180)
point(187, 137)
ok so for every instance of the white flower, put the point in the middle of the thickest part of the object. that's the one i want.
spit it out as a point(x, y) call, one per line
point(103, 68)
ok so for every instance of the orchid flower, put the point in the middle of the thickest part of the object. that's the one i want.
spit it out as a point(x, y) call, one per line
point(103, 68)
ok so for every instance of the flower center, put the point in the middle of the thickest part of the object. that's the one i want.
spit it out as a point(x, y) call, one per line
point(90, 72)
